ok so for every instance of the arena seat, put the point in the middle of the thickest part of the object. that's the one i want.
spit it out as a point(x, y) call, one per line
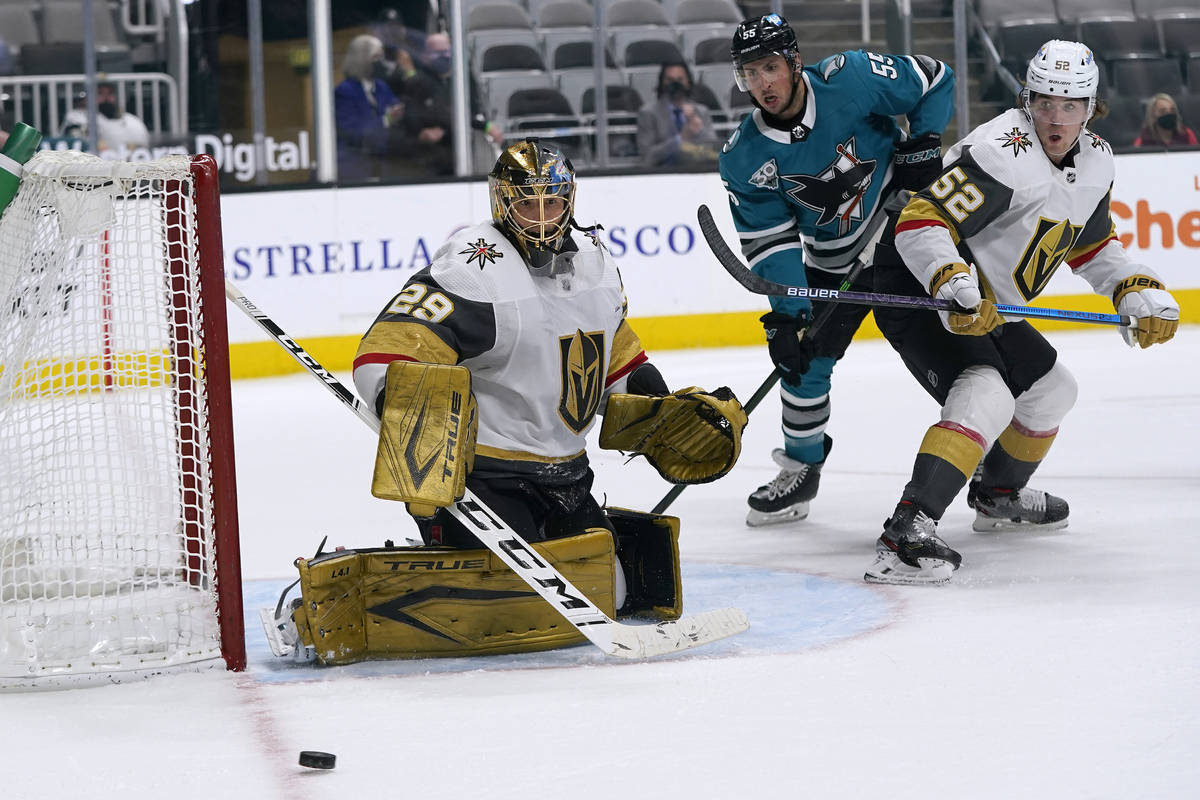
point(1110, 39)
point(1123, 122)
point(1167, 9)
point(498, 23)
point(624, 102)
point(544, 109)
point(1181, 38)
point(1083, 10)
point(1143, 77)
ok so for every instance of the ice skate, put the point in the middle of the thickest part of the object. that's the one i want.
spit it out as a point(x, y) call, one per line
point(1016, 509)
point(282, 635)
point(910, 552)
point(785, 498)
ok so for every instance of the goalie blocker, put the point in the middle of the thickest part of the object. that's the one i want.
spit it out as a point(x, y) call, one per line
point(426, 436)
point(420, 602)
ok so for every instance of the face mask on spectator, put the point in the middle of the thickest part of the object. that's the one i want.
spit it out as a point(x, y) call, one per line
point(1167, 122)
point(677, 90)
point(439, 63)
point(108, 109)
point(380, 70)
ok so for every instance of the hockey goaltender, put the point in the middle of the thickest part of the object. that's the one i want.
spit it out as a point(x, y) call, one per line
point(487, 371)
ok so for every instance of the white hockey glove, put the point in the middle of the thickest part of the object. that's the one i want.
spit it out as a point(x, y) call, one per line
point(956, 283)
point(1157, 313)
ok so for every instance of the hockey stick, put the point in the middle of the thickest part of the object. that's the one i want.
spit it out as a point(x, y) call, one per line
point(614, 638)
point(751, 404)
point(769, 382)
point(760, 285)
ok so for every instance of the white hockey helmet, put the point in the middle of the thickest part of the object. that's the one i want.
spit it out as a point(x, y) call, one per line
point(1066, 70)
point(1063, 69)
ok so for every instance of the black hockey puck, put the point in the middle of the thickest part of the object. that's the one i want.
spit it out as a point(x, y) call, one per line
point(317, 760)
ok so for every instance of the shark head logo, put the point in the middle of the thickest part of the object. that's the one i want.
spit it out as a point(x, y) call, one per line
point(836, 192)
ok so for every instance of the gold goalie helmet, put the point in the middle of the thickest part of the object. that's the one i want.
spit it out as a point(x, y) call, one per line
point(532, 188)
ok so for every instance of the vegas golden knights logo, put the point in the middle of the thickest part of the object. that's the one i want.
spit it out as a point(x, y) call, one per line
point(1047, 248)
point(581, 359)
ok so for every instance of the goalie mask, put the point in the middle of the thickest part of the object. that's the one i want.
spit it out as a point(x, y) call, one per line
point(759, 38)
point(532, 190)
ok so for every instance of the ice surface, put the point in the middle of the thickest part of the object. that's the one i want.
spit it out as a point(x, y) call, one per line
point(1061, 665)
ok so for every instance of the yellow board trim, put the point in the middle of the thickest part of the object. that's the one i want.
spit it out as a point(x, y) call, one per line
point(733, 329)
point(69, 376)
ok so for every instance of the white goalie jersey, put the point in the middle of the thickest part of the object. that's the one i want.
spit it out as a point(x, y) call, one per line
point(1001, 204)
point(544, 352)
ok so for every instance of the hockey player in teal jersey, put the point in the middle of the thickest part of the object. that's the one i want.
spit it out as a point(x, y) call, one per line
point(808, 174)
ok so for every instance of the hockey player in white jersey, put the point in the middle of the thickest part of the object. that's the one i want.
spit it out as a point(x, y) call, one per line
point(1019, 196)
point(487, 369)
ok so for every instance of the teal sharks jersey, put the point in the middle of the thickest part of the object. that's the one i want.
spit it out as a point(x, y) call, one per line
point(813, 196)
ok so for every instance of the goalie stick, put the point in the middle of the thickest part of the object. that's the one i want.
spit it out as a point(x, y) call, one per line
point(614, 638)
point(760, 285)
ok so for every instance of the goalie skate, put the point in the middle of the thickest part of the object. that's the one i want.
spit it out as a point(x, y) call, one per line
point(786, 498)
point(282, 636)
point(910, 553)
point(1016, 509)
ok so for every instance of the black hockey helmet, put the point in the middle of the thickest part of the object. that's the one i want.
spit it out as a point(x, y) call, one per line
point(760, 37)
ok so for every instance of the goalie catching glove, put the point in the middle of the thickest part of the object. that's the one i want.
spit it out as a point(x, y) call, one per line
point(690, 436)
point(426, 436)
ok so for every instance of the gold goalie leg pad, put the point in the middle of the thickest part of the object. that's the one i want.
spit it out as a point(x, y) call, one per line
point(419, 602)
point(426, 436)
point(648, 547)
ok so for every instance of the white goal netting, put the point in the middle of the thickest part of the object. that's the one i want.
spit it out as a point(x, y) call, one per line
point(107, 545)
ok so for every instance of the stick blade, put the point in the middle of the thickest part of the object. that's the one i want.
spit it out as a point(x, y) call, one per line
point(648, 641)
point(729, 260)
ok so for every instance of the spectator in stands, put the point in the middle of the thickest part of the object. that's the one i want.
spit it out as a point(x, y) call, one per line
point(1163, 127)
point(429, 102)
point(8, 64)
point(366, 110)
point(117, 131)
point(397, 51)
point(676, 131)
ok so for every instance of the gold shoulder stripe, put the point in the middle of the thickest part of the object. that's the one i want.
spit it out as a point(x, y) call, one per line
point(920, 210)
point(410, 339)
point(1084, 248)
point(626, 347)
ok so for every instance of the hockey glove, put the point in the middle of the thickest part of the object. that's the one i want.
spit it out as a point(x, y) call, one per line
point(954, 282)
point(786, 344)
point(918, 162)
point(689, 436)
point(1157, 312)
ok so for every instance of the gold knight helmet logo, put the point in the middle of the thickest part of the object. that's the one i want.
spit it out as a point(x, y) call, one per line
point(581, 360)
point(1049, 245)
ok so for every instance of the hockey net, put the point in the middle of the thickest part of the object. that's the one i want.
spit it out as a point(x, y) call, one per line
point(118, 532)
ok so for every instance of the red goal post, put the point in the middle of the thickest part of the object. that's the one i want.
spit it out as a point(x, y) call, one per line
point(118, 509)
